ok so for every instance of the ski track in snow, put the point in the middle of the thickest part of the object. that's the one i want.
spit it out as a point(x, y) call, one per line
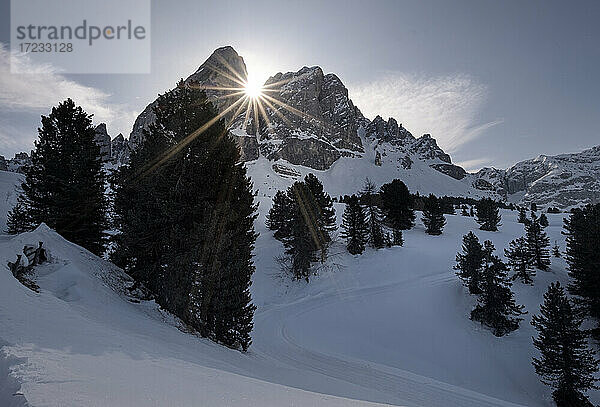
point(404, 387)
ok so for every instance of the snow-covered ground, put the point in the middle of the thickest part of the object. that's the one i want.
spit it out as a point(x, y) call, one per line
point(390, 326)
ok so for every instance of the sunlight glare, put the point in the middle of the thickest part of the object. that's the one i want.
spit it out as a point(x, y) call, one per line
point(253, 88)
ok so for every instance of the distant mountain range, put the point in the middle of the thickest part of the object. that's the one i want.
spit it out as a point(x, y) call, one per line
point(307, 122)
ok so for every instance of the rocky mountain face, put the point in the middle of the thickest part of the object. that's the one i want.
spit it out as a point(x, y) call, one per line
point(103, 140)
point(308, 120)
point(564, 181)
point(16, 163)
point(222, 72)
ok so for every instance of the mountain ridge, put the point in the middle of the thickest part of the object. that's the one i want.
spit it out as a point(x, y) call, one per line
point(307, 120)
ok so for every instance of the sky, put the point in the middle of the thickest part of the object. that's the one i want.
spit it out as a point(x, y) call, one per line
point(495, 82)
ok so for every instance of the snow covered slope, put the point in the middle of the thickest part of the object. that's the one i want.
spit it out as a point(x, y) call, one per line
point(390, 326)
point(80, 342)
point(347, 174)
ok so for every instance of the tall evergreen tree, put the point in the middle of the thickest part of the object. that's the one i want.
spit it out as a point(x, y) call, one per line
point(470, 262)
point(64, 185)
point(397, 205)
point(538, 243)
point(355, 226)
point(18, 219)
point(387, 239)
point(522, 215)
point(184, 208)
point(520, 259)
point(544, 220)
point(433, 218)
point(583, 258)
point(322, 206)
point(303, 218)
point(397, 238)
point(369, 198)
point(488, 215)
point(556, 249)
point(566, 363)
point(496, 306)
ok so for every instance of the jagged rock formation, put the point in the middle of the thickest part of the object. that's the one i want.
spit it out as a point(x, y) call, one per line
point(309, 121)
point(222, 71)
point(15, 164)
point(103, 140)
point(563, 181)
point(120, 150)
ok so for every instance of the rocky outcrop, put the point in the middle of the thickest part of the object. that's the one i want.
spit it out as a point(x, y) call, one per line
point(309, 119)
point(223, 71)
point(451, 170)
point(102, 138)
point(389, 132)
point(120, 150)
point(427, 149)
point(248, 145)
point(18, 162)
point(312, 153)
point(564, 181)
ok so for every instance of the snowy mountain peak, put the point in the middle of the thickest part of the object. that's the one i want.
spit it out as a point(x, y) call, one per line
point(308, 122)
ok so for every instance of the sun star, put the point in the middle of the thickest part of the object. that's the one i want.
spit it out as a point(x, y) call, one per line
point(253, 89)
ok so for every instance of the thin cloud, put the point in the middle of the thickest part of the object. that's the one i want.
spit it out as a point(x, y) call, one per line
point(36, 92)
point(446, 107)
point(475, 164)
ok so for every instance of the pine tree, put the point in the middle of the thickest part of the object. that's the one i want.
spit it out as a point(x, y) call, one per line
point(387, 239)
point(566, 363)
point(556, 249)
point(355, 226)
point(18, 220)
point(522, 216)
point(397, 205)
point(303, 218)
point(64, 185)
point(544, 220)
point(583, 258)
point(471, 213)
point(369, 197)
point(469, 263)
point(184, 208)
point(488, 215)
point(520, 259)
point(538, 243)
point(433, 218)
point(322, 206)
point(397, 239)
point(464, 211)
point(496, 307)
